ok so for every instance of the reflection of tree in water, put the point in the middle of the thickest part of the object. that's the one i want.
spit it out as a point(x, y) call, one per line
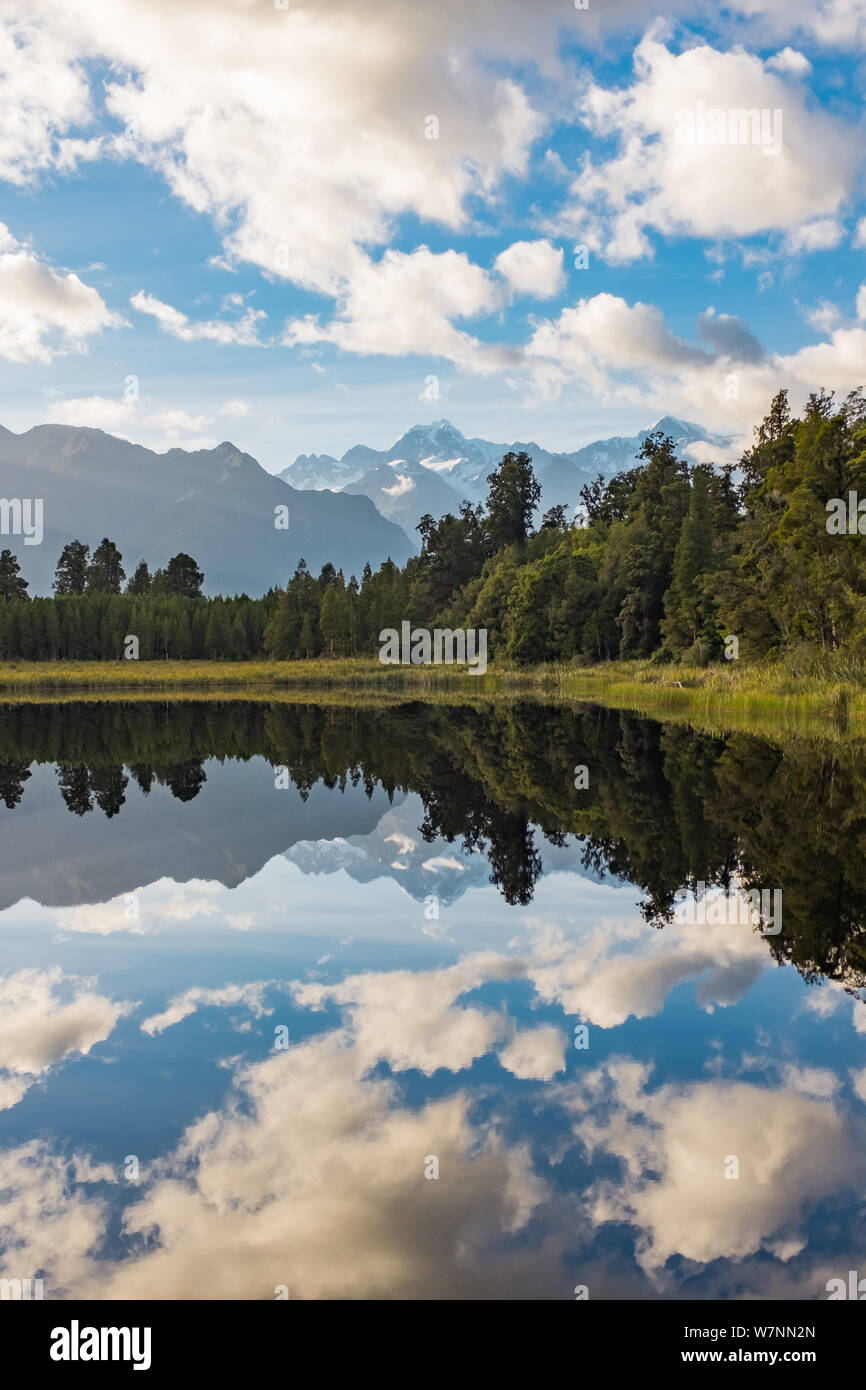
point(12, 779)
point(82, 788)
point(108, 785)
point(665, 807)
point(184, 780)
point(74, 785)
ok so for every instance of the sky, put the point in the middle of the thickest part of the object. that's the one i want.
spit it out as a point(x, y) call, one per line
point(308, 225)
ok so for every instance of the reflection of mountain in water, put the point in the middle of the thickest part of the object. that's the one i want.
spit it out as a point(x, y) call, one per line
point(395, 849)
point(237, 822)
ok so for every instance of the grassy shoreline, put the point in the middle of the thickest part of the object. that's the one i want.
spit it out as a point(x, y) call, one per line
point(721, 698)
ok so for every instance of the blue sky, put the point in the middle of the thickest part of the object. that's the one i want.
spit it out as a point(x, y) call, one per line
point(268, 246)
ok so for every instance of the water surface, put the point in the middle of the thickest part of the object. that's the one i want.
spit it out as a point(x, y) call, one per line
point(330, 1003)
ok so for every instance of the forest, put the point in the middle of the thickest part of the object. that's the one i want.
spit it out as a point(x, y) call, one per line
point(667, 560)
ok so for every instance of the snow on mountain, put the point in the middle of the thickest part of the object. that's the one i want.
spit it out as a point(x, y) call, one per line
point(609, 456)
point(318, 472)
point(436, 467)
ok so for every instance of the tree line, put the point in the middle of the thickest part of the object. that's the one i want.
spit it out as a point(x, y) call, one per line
point(666, 560)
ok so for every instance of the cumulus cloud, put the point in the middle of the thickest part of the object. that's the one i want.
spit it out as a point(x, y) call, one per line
point(621, 971)
point(729, 336)
point(820, 235)
point(44, 1018)
point(409, 1018)
point(666, 176)
point(675, 1144)
point(56, 1218)
point(532, 268)
point(414, 125)
point(405, 303)
point(626, 353)
point(790, 60)
point(44, 313)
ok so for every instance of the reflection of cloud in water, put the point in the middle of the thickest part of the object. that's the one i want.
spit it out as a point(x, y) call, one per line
point(312, 1173)
point(250, 996)
point(674, 1144)
point(45, 1017)
point(621, 969)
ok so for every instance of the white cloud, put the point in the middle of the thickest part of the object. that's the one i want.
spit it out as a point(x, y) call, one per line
point(243, 332)
point(821, 235)
point(409, 1018)
point(236, 408)
point(791, 61)
point(44, 313)
point(837, 23)
point(404, 303)
point(532, 268)
point(45, 93)
point(824, 316)
point(661, 180)
point(114, 415)
point(234, 126)
point(618, 353)
point(861, 302)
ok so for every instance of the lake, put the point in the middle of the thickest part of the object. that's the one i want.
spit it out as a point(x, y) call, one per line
point(427, 1000)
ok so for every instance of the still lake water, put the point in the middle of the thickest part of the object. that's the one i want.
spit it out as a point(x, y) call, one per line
point(267, 969)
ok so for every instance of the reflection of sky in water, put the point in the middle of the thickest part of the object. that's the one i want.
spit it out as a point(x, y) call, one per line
point(153, 1035)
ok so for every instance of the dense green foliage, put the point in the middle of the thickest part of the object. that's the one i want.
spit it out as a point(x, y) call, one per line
point(668, 560)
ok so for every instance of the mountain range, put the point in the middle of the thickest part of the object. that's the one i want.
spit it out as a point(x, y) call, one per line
point(432, 468)
point(219, 505)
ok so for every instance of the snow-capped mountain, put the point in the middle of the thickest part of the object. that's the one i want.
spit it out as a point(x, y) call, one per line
point(432, 468)
point(320, 472)
point(613, 455)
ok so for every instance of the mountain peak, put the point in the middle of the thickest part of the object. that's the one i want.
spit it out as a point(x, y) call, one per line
point(434, 430)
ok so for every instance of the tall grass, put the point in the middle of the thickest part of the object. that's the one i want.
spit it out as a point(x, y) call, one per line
point(828, 700)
